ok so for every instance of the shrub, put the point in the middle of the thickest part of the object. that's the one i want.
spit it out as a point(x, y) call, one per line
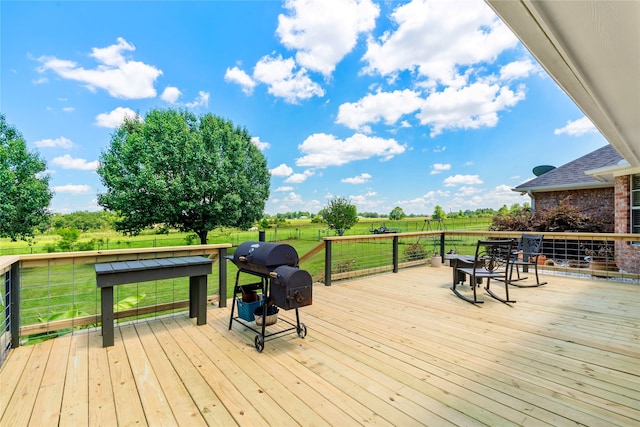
point(345, 266)
point(414, 252)
point(564, 217)
point(516, 221)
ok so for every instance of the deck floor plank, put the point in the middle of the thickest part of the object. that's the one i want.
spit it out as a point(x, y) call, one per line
point(388, 349)
point(178, 350)
point(75, 399)
point(128, 401)
point(176, 396)
point(102, 400)
point(48, 404)
point(9, 378)
point(153, 396)
point(20, 407)
point(299, 360)
point(298, 379)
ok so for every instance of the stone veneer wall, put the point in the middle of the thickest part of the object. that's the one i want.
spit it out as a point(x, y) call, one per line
point(627, 254)
point(597, 202)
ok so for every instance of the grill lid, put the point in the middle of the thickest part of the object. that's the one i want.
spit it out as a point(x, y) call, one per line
point(264, 257)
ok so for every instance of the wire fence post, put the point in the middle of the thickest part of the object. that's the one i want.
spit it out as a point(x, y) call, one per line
point(327, 263)
point(395, 254)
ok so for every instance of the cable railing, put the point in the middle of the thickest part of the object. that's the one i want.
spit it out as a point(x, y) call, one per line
point(47, 295)
point(599, 255)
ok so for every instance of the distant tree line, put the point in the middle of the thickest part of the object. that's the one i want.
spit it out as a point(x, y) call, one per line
point(85, 221)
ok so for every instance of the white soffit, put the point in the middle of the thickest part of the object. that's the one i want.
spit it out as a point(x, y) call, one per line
point(592, 50)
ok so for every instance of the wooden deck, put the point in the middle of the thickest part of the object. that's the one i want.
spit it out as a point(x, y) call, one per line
point(393, 349)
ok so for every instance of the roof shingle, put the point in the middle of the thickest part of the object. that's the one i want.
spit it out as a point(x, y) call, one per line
point(571, 175)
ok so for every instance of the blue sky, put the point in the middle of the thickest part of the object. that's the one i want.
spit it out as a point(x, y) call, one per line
point(388, 103)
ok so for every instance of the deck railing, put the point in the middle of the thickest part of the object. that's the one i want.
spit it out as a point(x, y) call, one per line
point(564, 253)
point(45, 295)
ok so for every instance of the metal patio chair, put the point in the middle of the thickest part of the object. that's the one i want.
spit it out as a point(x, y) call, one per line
point(492, 261)
point(526, 255)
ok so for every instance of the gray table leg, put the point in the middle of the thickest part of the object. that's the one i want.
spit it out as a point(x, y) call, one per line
point(107, 316)
point(198, 299)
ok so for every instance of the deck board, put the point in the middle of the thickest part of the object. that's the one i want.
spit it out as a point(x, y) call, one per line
point(390, 349)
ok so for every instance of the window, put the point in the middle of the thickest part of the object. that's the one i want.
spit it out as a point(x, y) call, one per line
point(635, 203)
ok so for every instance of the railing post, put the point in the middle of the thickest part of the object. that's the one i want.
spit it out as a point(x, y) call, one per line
point(222, 278)
point(14, 304)
point(442, 248)
point(395, 254)
point(327, 263)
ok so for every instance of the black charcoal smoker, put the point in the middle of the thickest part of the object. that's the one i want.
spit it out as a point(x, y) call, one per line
point(282, 285)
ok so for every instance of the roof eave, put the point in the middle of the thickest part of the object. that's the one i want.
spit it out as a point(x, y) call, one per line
point(569, 187)
point(561, 36)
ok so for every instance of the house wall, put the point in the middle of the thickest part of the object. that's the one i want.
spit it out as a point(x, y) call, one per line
point(627, 254)
point(599, 203)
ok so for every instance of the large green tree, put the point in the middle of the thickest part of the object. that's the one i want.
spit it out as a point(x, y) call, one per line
point(24, 188)
point(397, 214)
point(340, 214)
point(192, 173)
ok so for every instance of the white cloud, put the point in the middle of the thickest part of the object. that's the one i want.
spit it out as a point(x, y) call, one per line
point(366, 202)
point(433, 41)
point(61, 142)
point(439, 149)
point(292, 199)
point(236, 75)
point(454, 180)
point(121, 77)
point(296, 178)
point(518, 69)
point(387, 106)
point(293, 202)
point(471, 107)
point(284, 188)
point(68, 109)
point(279, 75)
point(171, 94)
point(440, 167)
point(577, 127)
point(114, 118)
point(323, 32)
point(202, 100)
point(495, 198)
point(73, 189)
point(467, 191)
point(261, 145)
point(281, 170)
point(68, 162)
point(360, 179)
point(424, 204)
point(322, 150)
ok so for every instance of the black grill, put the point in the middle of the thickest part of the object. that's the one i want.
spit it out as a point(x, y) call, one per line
point(264, 257)
point(286, 285)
